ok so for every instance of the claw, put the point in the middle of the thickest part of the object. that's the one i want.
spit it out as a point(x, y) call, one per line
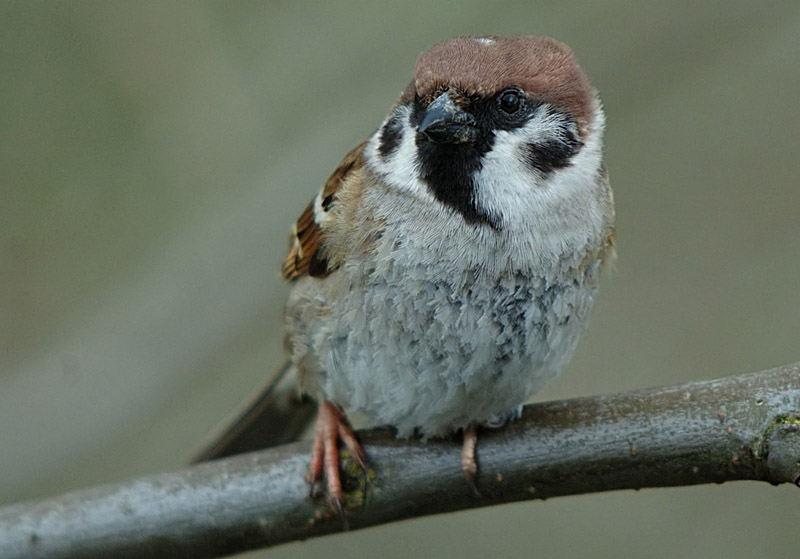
point(332, 426)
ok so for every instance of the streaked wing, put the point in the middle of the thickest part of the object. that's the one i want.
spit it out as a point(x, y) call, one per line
point(277, 415)
point(307, 253)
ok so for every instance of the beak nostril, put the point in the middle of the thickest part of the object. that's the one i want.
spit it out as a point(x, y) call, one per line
point(447, 123)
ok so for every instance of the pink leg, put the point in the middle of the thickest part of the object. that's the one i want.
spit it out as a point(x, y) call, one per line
point(468, 464)
point(331, 427)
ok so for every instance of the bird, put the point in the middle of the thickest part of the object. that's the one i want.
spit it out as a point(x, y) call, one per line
point(442, 275)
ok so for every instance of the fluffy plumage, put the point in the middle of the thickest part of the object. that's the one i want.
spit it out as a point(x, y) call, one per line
point(444, 272)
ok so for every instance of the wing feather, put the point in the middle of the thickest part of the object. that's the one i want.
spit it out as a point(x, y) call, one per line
point(307, 247)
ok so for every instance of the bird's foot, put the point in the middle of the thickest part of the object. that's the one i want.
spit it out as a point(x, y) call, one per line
point(468, 464)
point(331, 427)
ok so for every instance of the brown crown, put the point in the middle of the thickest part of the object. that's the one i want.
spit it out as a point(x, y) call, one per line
point(544, 68)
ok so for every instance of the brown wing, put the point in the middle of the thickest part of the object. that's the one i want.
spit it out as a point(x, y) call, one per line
point(608, 252)
point(307, 253)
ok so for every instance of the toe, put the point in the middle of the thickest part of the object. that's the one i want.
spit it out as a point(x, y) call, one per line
point(332, 426)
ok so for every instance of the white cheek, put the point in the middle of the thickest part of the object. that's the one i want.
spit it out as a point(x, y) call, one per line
point(505, 181)
point(400, 170)
point(549, 216)
point(507, 186)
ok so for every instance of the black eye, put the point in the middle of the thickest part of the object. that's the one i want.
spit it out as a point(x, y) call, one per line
point(510, 101)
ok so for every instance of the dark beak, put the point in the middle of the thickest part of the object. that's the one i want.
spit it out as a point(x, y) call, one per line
point(447, 123)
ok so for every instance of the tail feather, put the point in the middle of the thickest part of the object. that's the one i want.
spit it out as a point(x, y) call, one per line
point(278, 415)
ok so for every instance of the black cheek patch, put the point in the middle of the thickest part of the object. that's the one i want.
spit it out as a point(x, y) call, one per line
point(447, 170)
point(552, 154)
point(391, 134)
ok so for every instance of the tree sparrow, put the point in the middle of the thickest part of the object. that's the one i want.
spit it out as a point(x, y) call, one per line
point(444, 272)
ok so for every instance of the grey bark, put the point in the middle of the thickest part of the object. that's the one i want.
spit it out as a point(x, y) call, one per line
point(738, 428)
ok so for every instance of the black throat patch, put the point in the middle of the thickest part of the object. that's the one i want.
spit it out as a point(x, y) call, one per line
point(446, 169)
point(449, 170)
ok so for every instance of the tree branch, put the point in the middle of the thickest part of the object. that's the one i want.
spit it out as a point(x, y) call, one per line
point(743, 427)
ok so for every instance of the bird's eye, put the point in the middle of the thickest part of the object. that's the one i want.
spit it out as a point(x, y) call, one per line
point(509, 101)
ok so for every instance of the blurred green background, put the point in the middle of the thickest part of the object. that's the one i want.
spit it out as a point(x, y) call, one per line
point(153, 157)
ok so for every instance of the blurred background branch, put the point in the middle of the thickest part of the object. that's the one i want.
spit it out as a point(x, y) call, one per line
point(738, 428)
